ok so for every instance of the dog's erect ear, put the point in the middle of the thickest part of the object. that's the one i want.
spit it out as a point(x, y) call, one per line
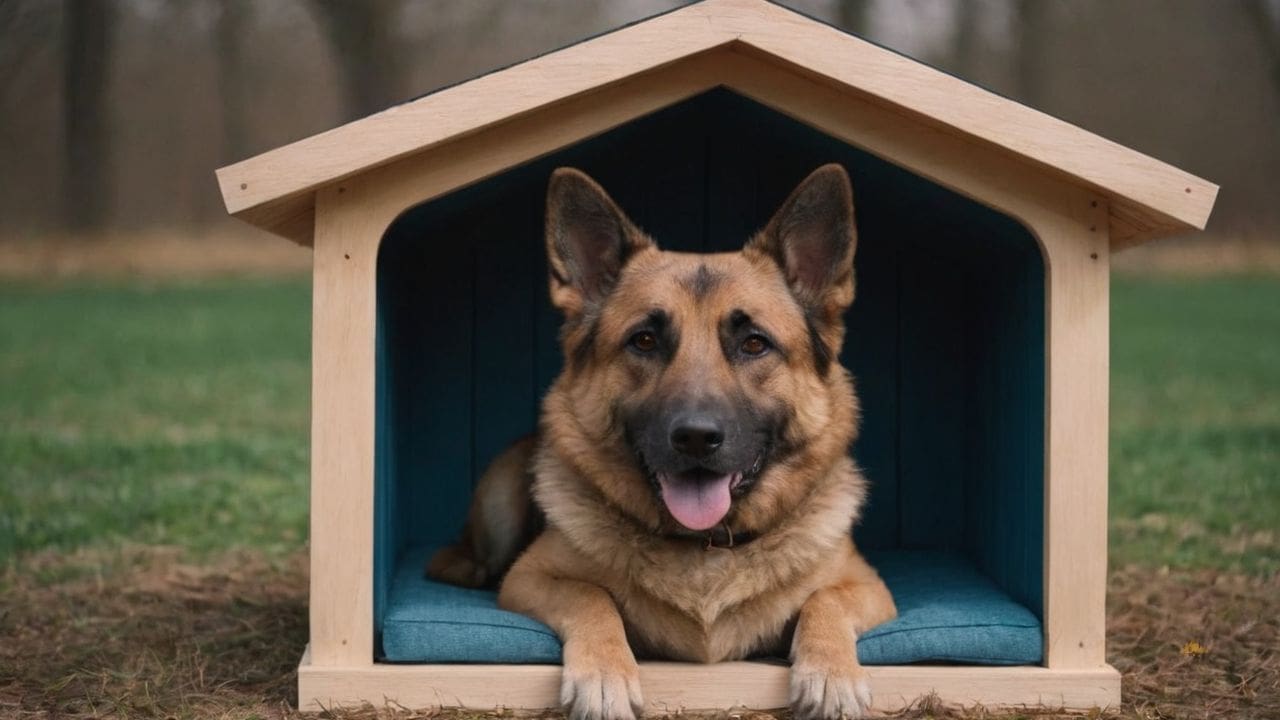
point(589, 240)
point(812, 238)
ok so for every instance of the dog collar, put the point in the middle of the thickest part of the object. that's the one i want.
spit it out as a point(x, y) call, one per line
point(724, 538)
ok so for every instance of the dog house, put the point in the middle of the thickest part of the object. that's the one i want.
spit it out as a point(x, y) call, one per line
point(979, 340)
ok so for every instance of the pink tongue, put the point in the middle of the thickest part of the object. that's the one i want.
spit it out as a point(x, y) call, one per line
point(697, 504)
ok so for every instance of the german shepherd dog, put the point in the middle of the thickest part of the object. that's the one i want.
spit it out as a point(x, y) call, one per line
point(689, 494)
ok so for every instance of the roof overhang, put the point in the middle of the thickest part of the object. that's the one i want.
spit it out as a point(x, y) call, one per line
point(1147, 198)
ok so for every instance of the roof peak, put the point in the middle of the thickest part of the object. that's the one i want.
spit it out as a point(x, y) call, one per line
point(274, 189)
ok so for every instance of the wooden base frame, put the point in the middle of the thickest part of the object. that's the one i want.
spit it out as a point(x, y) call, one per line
point(670, 687)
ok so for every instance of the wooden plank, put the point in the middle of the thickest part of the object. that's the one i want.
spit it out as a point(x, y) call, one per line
point(504, 395)
point(932, 383)
point(342, 429)
point(1164, 196)
point(1076, 436)
point(1007, 428)
point(673, 687)
point(429, 277)
point(292, 217)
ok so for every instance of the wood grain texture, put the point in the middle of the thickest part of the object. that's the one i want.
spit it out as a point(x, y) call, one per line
point(1156, 198)
point(672, 687)
point(342, 429)
point(1078, 362)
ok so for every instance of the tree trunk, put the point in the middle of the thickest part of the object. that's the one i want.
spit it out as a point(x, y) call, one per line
point(233, 80)
point(1033, 35)
point(85, 120)
point(1266, 18)
point(366, 53)
point(964, 48)
point(852, 16)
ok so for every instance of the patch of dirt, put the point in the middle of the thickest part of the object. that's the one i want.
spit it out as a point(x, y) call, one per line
point(1200, 644)
point(1200, 255)
point(144, 633)
point(154, 254)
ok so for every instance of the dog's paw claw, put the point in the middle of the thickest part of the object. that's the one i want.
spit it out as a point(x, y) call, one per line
point(829, 694)
point(590, 693)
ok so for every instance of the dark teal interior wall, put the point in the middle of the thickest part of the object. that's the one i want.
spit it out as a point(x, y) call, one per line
point(946, 336)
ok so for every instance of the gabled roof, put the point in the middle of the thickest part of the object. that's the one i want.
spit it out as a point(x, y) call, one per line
point(1147, 198)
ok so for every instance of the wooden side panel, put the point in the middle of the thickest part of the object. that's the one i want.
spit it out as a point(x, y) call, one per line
point(1076, 497)
point(427, 297)
point(1004, 431)
point(504, 396)
point(933, 374)
point(343, 430)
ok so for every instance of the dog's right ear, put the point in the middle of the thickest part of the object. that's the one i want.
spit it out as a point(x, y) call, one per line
point(589, 240)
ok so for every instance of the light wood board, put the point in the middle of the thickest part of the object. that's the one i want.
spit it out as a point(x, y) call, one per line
point(671, 687)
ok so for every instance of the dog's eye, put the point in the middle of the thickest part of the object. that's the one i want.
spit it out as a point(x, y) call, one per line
point(644, 341)
point(755, 345)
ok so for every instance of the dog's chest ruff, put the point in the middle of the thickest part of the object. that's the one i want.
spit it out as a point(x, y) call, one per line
point(682, 600)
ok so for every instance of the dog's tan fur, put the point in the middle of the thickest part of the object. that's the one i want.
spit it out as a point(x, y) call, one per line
point(613, 573)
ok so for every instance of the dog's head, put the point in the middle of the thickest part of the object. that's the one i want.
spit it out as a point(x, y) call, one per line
point(702, 389)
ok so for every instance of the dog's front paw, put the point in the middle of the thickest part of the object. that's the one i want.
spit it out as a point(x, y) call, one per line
point(600, 682)
point(834, 692)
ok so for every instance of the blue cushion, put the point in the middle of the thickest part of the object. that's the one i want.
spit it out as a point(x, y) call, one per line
point(947, 612)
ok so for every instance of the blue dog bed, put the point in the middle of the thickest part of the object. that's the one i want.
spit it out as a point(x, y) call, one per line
point(947, 612)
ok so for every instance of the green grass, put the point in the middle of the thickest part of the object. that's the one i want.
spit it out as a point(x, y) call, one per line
point(177, 414)
point(1195, 422)
point(159, 414)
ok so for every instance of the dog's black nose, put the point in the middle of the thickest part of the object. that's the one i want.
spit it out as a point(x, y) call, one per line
point(696, 435)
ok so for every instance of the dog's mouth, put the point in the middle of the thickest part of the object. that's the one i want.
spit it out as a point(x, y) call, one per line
point(700, 498)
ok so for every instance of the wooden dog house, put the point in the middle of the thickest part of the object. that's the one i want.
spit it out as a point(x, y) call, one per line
point(979, 337)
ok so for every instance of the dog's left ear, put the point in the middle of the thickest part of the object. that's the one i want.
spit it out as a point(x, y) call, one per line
point(589, 240)
point(812, 238)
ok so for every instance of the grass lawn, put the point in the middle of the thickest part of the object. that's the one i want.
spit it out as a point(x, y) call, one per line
point(1195, 423)
point(158, 414)
point(175, 414)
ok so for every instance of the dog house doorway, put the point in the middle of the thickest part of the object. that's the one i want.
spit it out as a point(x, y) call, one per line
point(946, 342)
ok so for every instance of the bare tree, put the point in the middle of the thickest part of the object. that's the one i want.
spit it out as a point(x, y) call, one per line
point(85, 123)
point(234, 20)
point(964, 48)
point(852, 15)
point(362, 35)
point(1033, 34)
point(1266, 18)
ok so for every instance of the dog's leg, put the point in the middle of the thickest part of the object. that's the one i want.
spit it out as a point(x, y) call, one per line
point(600, 680)
point(827, 682)
point(501, 522)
